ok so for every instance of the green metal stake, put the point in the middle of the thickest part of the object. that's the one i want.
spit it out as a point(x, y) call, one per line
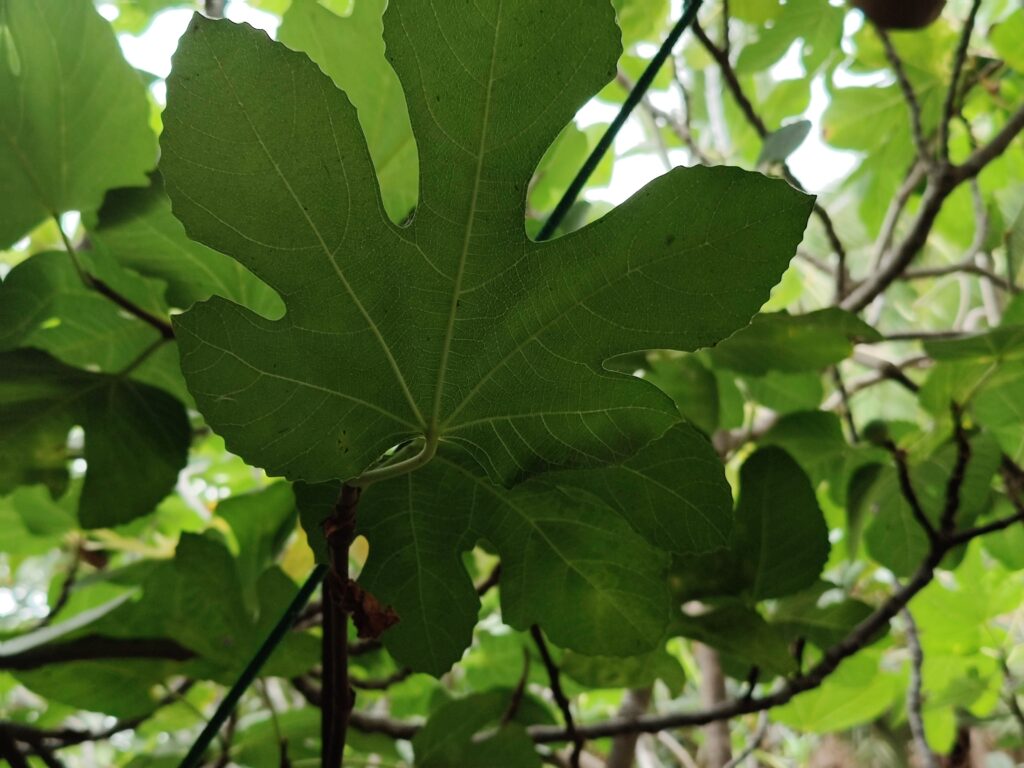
point(632, 100)
point(252, 669)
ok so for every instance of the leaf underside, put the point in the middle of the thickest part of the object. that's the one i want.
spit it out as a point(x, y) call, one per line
point(458, 325)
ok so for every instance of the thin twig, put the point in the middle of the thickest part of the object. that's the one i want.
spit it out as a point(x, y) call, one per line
point(995, 147)
point(94, 283)
point(732, 81)
point(947, 523)
point(915, 176)
point(676, 749)
point(65, 588)
point(858, 638)
point(908, 95)
point(959, 58)
point(899, 457)
point(847, 411)
point(683, 126)
point(227, 735)
point(10, 751)
point(490, 582)
point(914, 700)
point(555, 682)
point(518, 692)
point(968, 267)
point(66, 737)
point(623, 751)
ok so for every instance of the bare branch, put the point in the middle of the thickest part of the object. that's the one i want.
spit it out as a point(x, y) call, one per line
point(91, 647)
point(989, 152)
point(490, 582)
point(163, 327)
point(555, 681)
point(516, 699)
point(860, 637)
point(963, 267)
point(721, 58)
point(914, 700)
point(909, 95)
point(940, 185)
point(732, 81)
point(677, 750)
point(949, 108)
point(909, 494)
point(54, 739)
point(65, 588)
point(954, 486)
point(915, 176)
point(10, 751)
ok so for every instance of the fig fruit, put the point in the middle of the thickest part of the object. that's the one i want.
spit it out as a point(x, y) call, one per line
point(901, 14)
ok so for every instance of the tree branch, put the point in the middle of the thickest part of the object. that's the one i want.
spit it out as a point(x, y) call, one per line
point(964, 267)
point(162, 327)
point(732, 81)
point(94, 647)
point(947, 523)
point(555, 681)
point(10, 751)
point(914, 700)
point(338, 695)
point(909, 494)
point(53, 739)
point(999, 143)
point(65, 588)
point(949, 107)
point(908, 94)
point(940, 184)
point(215, 8)
point(861, 636)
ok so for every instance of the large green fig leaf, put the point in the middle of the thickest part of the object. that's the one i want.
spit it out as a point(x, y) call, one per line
point(458, 328)
point(136, 437)
point(73, 114)
point(779, 545)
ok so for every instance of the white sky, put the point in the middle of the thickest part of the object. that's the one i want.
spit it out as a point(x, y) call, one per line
point(814, 163)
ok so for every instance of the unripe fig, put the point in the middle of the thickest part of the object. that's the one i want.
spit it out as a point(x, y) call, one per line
point(901, 14)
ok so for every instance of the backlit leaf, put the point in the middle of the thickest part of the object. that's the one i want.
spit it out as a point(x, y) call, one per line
point(457, 328)
point(73, 114)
